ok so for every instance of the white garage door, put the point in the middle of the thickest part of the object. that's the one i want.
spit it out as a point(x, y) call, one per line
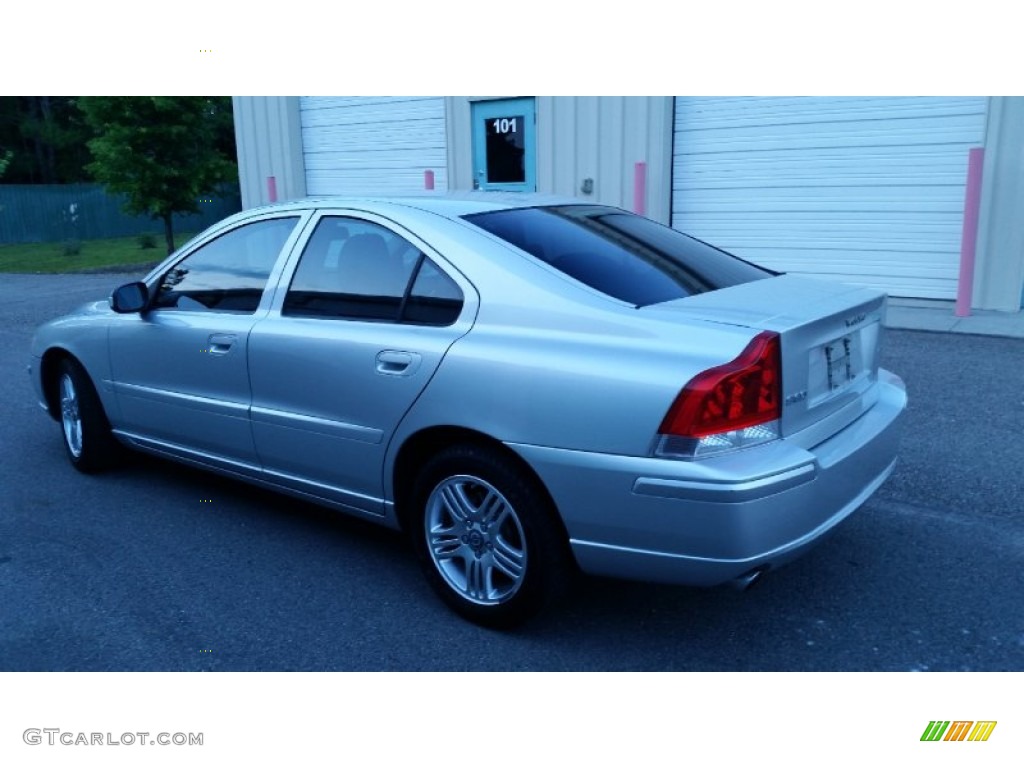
point(863, 190)
point(361, 144)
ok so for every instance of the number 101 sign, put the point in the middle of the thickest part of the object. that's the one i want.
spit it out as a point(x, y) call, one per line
point(504, 125)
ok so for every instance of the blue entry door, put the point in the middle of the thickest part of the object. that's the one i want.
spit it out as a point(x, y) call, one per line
point(504, 145)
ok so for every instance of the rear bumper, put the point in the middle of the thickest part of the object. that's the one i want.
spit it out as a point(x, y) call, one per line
point(709, 522)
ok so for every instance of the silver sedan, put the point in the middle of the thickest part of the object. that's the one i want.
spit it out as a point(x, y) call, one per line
point(527, 386)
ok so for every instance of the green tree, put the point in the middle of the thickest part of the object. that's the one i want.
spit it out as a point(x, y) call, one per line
point(48, 137)
point(5, 160)
point(162, 152)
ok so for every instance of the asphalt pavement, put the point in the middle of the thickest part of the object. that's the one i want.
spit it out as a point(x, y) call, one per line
point(134, 570)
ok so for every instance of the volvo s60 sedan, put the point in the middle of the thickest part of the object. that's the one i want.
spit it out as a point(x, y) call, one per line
point(529, 387)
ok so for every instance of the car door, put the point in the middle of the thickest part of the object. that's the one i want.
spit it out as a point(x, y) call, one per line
point(180, 368)
point(367, 316)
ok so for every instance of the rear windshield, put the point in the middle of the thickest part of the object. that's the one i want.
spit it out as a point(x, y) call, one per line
point(619, 254)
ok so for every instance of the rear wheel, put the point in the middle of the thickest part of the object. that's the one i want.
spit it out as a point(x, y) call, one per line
point(89, 444)
point(487, 537)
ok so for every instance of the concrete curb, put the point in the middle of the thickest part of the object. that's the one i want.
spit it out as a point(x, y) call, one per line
point(938, 317)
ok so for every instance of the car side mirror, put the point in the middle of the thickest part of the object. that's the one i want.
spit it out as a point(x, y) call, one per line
point(132, 297)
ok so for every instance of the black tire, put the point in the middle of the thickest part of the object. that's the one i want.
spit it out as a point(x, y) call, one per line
point(488, 537)
point(88, 442)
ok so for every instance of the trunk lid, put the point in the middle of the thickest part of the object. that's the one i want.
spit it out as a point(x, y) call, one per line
point(829, 334)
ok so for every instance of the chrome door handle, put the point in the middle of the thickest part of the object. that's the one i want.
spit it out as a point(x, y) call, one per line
point(391, 362)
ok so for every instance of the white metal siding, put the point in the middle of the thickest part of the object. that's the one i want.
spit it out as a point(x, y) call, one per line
point(584, 137)
point(269, 142)
point(864, 190)
point(602, 138)
point(360, 144)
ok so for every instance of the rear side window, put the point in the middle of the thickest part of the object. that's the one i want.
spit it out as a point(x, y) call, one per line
point(619, 254)
point(358, 270)
point(435, 299)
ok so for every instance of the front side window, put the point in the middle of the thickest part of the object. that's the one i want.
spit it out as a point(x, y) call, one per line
point(227, 274)
point(358, 270)
point(619, 254)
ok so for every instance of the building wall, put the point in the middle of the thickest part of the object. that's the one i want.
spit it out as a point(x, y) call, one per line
point(269, 144)
point(863, 190)
point(857, 173)
point(373, 145)
point(999, 272)
point(585, 137)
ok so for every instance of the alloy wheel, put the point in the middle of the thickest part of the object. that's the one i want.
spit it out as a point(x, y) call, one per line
point(476, 540)
point(70, 416)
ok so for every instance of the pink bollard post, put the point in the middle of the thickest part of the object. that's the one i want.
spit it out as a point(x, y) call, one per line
point(640, 188)
point(969, 237)
point(272, 188)
point(428, 179)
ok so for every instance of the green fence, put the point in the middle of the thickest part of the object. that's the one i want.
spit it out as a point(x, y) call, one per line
point(41, 213)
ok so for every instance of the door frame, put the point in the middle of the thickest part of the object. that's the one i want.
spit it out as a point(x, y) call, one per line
point(480, 113)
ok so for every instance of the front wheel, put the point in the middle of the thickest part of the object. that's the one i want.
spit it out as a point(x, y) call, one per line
point(487, 537)
point(87, 439)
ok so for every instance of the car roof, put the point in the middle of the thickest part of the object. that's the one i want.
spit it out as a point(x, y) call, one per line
point(447, 204)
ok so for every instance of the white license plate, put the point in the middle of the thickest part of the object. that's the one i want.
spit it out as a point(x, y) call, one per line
point(840, 362)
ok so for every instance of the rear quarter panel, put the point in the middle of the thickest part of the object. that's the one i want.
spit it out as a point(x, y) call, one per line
point(579, 381)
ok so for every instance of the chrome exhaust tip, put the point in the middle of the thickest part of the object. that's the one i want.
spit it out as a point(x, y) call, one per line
point(747, 580)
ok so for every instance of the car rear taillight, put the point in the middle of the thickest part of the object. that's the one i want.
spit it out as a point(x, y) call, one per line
point(734, 405)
